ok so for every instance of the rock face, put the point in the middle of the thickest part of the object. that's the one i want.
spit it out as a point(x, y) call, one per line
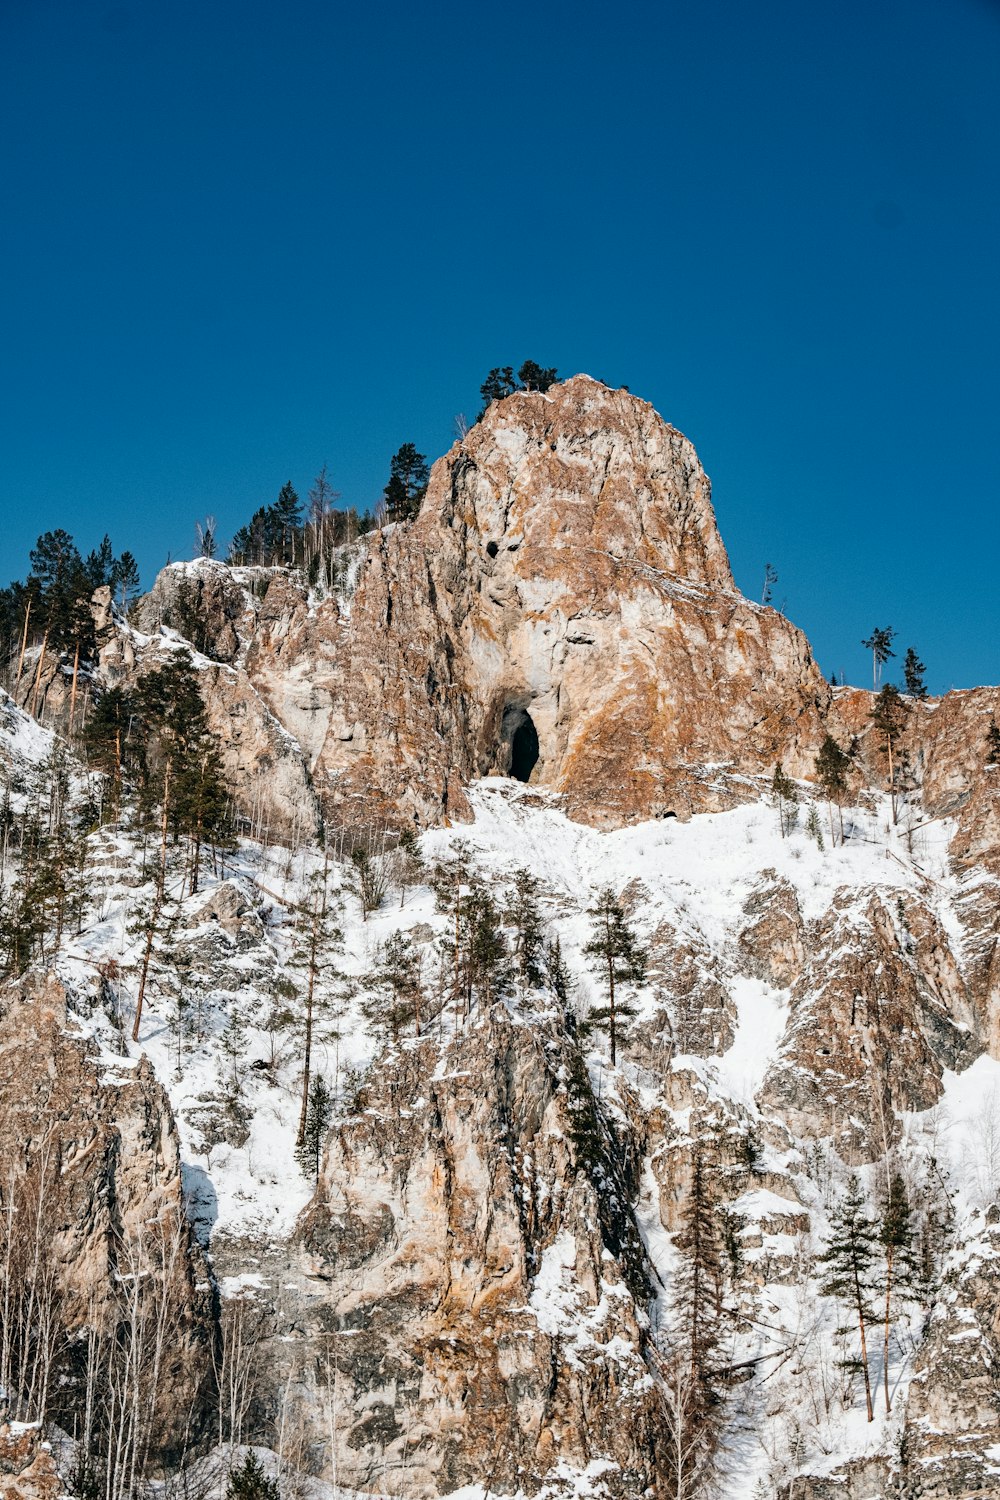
point(27, 1468)
point(92, 1166)
point(877, 1011)
point(953, 1413)
point(562, 607)
point(565, 569)
point(474, 1275)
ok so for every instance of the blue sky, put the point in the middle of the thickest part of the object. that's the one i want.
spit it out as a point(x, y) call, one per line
point(240, 240)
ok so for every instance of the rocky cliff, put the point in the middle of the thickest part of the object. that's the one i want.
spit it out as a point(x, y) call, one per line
point(476, 1283)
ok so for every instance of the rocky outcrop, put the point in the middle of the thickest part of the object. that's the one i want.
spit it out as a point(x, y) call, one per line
point(27, 1469)
point(877, 1011)
point(772, 944)
point(953, 1410)
point(90, 1162)
point(566, 566)
point(471, 1271)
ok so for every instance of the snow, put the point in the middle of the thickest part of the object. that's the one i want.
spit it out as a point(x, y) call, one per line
point(761, 1015)
point(695, 877)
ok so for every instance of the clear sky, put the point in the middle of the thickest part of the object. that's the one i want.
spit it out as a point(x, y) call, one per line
point(239, 239)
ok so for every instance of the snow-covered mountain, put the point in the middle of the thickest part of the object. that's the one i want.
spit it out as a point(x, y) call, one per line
point(508, 1262)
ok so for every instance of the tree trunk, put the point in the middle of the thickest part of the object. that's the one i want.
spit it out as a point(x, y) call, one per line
point(24, 646)
point(38, 674)
point(154, 916)
point(72, 695)
point(307, 1058)
point(609, 940)
point(885, 1347)
point(859, 1302)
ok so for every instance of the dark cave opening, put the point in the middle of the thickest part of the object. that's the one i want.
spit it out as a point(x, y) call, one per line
point(522, 736)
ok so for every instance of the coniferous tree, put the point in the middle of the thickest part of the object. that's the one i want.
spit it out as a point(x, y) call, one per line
point(913, 674)
point(408, 863)
point(558, 977)
point(370, 878)
point(770, 579)
point(831, 772)
point(896, 1238)
point(521, 912)
point(319, 1111)
point(688, 1367)
point(99, 565)
point(485, 958)
point(182, 790)
point(407, 486)
point(889, 718)
point(786, 797)
point(182, 769)
point(498, 384)
point(615, 954)
point(534, 378)
point(451, 880)
point(247, 1481)
point(394, 987)
point(993, 743)
point(848, 1273)
point(879, 643)
point(110, 744)
point(319, 936)
point(813, 827)
point(124, 582)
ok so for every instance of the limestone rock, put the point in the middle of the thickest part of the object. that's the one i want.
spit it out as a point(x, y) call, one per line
point(953, 1410)
point(27, 1469)
point(772, 945)
point(474, 1273)
point(94, 1143)
point(870, 1028)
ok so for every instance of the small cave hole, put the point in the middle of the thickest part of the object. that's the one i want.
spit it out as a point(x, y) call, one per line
point(492, 549)
point(518, 730)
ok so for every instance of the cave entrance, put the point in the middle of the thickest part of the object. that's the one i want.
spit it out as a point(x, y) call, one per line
point(519, 732)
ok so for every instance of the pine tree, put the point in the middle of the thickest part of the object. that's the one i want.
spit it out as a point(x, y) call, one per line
point(486, 960)
point(393, 987)
point(319, 935)
point(896, 1237)
point(124, 582)
point(407, 486)
point(286, 522)
point(786, 796)
point(993, 743)
point(247, 1481)
point(498, 384)
point(534, 378)
point(370, 878)
point(889, 718)
point(879, 643)
point(617, 956)
point(831, 772)
point(408, 863)
point(559, 979)
point(813, 828)
point(913, 674)
point(99, 565)
point(688, 1365)
point(111, 747)
point(182, 768)
point(319, 1110)
point(521, 912)
point(700, 1281)
point(848, 1262)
